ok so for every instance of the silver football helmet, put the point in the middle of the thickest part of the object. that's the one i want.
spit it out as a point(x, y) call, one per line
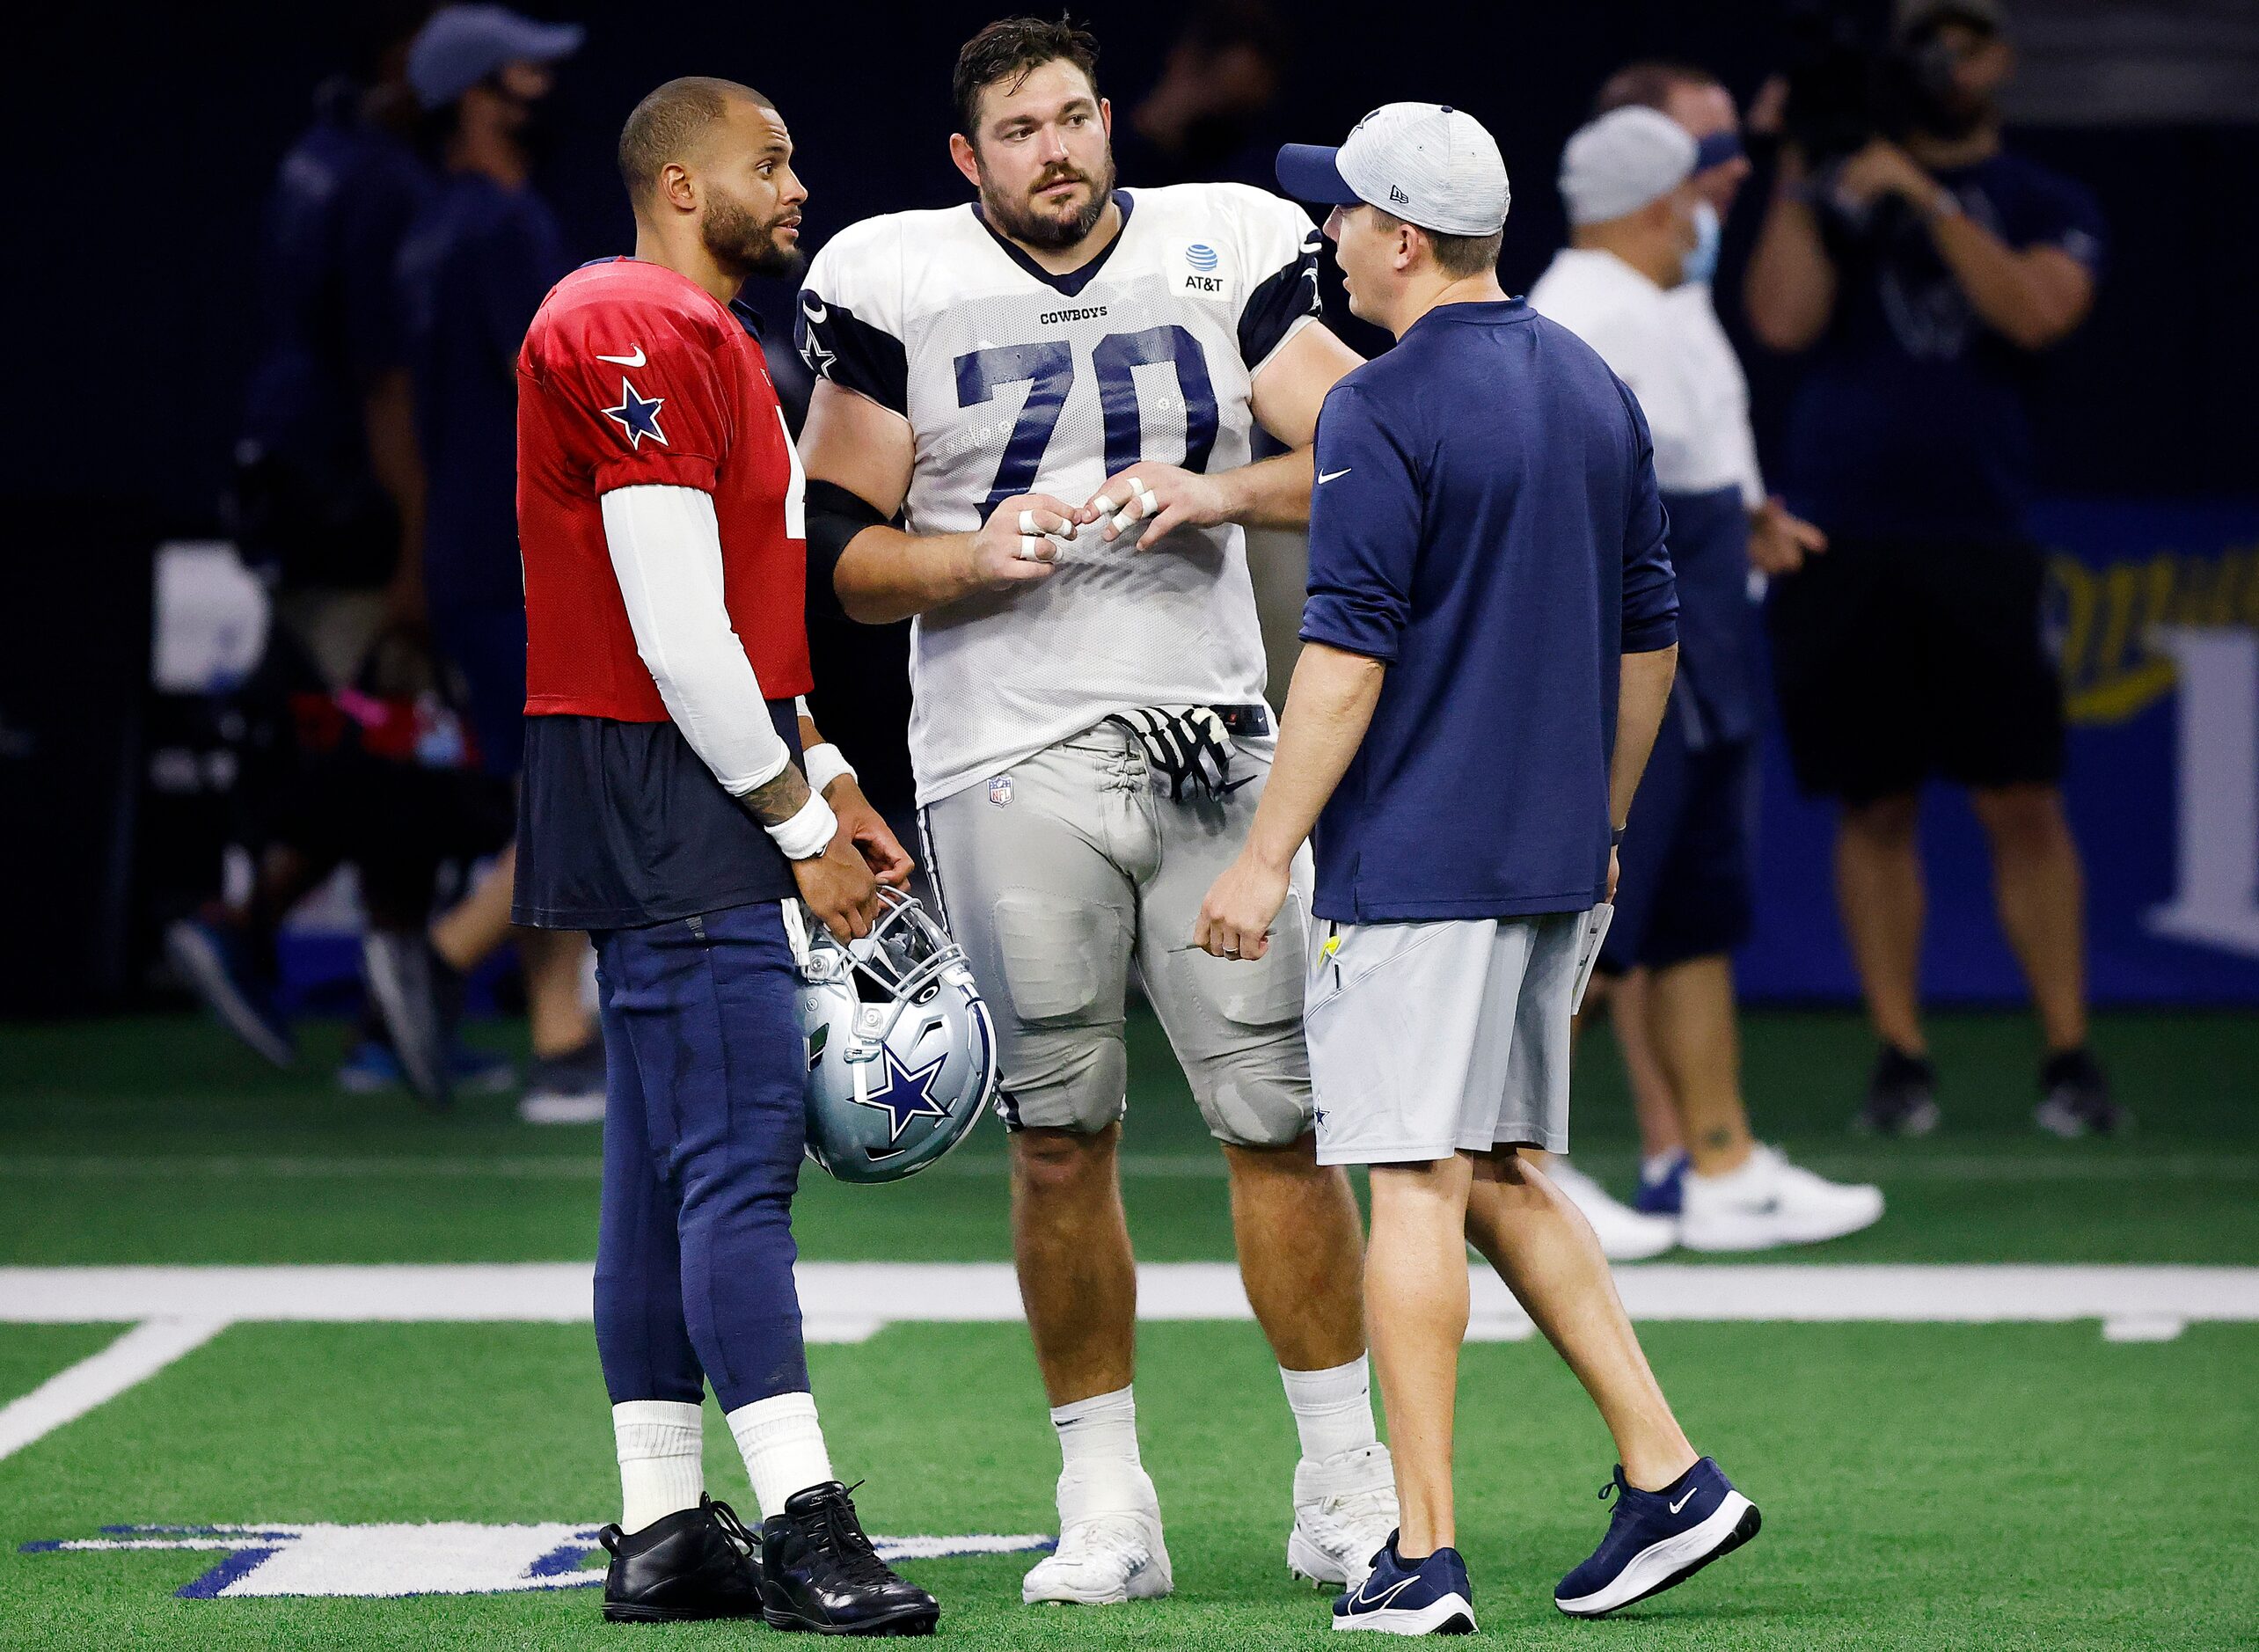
point(901, 1050)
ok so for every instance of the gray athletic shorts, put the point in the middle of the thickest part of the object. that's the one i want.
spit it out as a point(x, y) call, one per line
point(1053, 875)
point(1430, 1039)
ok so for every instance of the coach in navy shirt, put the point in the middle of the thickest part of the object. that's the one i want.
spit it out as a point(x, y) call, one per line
point(1492, 631)
point(1923, 282)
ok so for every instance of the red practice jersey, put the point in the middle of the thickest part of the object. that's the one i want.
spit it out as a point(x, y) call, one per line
point(631, 375)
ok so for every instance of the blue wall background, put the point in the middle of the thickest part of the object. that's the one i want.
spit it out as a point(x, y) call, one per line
point(2121, 568)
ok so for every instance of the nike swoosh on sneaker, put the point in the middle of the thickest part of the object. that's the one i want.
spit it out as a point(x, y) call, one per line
point(635, 360)
point(1683, 1501)
point(1378, 1601)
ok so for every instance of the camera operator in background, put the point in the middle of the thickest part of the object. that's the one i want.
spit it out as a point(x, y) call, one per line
point(1923, 269)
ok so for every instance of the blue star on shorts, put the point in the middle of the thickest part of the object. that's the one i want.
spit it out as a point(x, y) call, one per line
point(638, 416)
point(906, 1094)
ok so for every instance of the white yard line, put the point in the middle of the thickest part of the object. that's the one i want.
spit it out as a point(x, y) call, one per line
point(179, 1309)
point(864, 1295)
point(141, 1353)
point(1888, 1169)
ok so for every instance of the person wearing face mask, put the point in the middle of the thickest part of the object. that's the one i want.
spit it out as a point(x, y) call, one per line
point(1642, 230)
point(1922, 277)
point(471, 272)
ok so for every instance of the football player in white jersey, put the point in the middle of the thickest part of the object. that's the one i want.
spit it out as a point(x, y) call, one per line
point(1056, 387)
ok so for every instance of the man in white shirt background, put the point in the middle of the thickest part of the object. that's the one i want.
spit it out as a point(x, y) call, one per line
point(1645, 198)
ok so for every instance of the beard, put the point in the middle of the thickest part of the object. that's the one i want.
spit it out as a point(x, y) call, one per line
point(1022, 220)
point(745, 244)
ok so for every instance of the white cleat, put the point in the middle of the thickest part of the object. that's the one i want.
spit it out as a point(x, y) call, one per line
point(1105, 1554)
point(1344, 1508)
point(1768, 1202)
point(1625, 1235)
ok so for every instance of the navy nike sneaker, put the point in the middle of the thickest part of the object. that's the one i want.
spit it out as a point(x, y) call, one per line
point(1658, 1538)
point(216, 961)
point(1400, 1596)
point(1662, 1186)
point(370, 1066)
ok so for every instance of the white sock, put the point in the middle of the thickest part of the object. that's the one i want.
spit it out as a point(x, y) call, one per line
point(783, 1446)
point(659, 1470)
point(1098, 1442)
point(1332, 1409)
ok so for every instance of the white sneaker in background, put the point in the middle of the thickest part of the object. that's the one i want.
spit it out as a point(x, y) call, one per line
point(1344, 1508)
point(1769, 1202)
point(1625, 1235)
point(1105, 1554)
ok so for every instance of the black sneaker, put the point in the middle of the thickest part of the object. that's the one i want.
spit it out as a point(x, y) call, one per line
point(819, 1572)
point(695, 1564)
point(2075, 1097)
point(1901, 1096)
point(566, 1089)
point(413, 988)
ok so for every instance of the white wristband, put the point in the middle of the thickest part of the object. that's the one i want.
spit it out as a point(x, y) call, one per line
point(823, 764)
point(808, 833)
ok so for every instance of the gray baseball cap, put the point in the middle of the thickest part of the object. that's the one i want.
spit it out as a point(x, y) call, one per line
point(462, 45)
point(1618, 163)
point(1425, 163)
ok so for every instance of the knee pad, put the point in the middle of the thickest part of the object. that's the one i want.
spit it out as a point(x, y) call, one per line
point(1070, 1078)
point(1065, 965)
point(1258, 1097)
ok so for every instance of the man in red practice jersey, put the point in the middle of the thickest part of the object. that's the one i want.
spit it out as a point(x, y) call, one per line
point(659, 520)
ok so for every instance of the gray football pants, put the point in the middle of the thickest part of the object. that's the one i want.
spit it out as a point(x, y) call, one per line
point(1053, 875)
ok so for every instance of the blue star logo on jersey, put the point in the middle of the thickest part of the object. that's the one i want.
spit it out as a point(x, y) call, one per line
point(908, 1093)
point(637, 416)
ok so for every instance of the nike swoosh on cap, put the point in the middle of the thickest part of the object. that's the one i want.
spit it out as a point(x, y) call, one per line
point(635, 360)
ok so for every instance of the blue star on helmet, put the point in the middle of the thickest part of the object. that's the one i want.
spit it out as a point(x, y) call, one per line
point(637, 416)
point(908, 1093)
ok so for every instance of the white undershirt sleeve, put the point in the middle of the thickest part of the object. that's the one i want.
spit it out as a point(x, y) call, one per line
point(666, 551)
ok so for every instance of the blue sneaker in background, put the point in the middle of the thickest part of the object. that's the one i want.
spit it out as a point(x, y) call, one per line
point(1399, 1596)
point(1663, 1194)
point(372, 1066)
point(1658, 1538)
point(212, 960)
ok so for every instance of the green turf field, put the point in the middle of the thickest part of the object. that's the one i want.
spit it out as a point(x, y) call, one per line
point(1924, 1485)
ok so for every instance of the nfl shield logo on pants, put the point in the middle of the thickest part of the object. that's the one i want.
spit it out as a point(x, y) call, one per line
point(1000, 790)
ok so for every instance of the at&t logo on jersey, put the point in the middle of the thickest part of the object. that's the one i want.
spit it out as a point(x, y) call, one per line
point(1203, 280)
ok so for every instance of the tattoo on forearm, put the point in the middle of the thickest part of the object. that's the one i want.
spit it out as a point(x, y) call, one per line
point(775, 802)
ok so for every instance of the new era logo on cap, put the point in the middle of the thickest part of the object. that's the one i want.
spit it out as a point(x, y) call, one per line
point(1428, 163)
